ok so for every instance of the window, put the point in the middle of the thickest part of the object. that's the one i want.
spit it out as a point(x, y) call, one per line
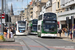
point(40, 17)
point(31, 12)
point(31, 16)
point(67, 9)
point(58, 4)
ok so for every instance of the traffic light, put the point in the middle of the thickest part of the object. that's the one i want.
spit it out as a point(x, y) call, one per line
point(6, 17)
point(72, 19)
point(67, 20)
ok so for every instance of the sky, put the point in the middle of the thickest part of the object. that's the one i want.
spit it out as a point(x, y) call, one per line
point(17, 5)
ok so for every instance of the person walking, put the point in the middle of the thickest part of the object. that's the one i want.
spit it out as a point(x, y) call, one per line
point(5, 32)
point(60, 31)
point(70, 33)
point(11, 33)
point(66, 32)
point(74, 34)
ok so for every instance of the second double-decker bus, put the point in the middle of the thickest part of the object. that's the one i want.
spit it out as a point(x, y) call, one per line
point(34, 26)
point(21, 28)
point(47, 25)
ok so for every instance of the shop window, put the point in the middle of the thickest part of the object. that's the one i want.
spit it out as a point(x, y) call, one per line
point(64, 26)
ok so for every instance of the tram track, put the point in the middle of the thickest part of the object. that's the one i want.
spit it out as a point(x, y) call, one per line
point(28, 47)
point(39, 43)
point(25, 44)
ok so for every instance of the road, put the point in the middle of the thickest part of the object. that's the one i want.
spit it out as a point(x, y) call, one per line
point(33, 42)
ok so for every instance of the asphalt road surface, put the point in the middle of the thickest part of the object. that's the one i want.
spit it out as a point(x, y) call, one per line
point(33, 42)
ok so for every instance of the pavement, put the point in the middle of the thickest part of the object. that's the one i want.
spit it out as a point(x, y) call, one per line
point(67, 38)
point(10, 46)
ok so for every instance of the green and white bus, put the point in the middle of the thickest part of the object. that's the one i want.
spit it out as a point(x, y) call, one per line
point(47, 25)
point(34, 26)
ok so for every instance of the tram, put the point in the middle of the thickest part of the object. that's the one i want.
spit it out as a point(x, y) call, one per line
point(21, 28)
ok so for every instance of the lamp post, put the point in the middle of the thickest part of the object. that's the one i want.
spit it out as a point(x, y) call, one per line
point(1, 16)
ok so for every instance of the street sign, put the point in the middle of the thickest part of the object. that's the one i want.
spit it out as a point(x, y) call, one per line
point(3, 18)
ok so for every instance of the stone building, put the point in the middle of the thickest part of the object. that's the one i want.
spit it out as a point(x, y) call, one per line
point(69, 11)
point(37, 7)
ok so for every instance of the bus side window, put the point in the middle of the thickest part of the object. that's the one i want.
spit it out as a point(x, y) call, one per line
point(38, 27)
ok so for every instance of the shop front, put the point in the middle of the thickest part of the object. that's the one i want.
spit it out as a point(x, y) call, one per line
point(63, 23)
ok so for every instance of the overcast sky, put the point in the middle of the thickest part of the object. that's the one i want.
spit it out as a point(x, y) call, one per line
point(17, 5)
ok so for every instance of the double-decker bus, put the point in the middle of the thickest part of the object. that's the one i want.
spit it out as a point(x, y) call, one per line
point(34, 26)
point(47, 25)
point(21, 28)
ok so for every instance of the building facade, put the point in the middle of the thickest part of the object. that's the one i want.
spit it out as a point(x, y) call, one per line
point(54, 6)
point(15, 18)
point(49, 6)
point(37, 7)
point(69, 10)
point(28, 12)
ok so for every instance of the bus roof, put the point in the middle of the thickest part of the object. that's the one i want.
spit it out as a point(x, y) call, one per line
point(34, 19)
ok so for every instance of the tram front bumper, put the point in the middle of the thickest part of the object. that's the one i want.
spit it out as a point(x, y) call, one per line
point(18, 33)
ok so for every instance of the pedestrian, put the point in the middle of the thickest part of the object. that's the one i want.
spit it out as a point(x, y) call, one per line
point(66, 32)
point(74, 34)
point(10, 34)
point(5, 32)
point(60, 31)
point(71, 33)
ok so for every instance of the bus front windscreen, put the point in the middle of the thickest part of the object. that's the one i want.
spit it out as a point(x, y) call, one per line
point(34, 28)
point(51, 16)
point(34, 22)
point(49, 27)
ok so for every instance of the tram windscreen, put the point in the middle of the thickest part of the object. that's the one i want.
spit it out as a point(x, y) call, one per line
point(22, 23)
point(49, 27)
point(21, 26)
